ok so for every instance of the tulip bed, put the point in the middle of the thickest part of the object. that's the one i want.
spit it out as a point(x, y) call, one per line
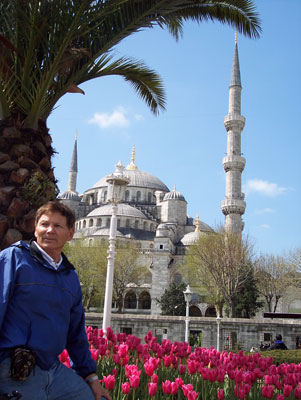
point(132, 370)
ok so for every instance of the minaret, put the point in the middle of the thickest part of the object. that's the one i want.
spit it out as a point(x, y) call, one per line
point(234, 206)
point(73, 168)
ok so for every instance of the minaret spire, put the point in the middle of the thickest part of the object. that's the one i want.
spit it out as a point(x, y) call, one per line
point(233, 207)
point(73, 168)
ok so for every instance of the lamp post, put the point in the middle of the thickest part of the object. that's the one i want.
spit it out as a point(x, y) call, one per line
point(187, 296)
point(218, 321)
point(117, 182)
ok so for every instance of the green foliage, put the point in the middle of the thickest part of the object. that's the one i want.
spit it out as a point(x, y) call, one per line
point(38, 190)
point(247, 301)
point(172, 301)
point(283, 356)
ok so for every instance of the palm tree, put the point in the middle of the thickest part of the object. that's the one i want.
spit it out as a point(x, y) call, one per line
point(49, 48)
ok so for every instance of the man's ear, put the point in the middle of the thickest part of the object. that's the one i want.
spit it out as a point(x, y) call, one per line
point(71, 234)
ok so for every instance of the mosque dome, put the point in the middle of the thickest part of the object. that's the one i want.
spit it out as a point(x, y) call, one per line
point(123, 210)
point(174, 195)
point(69, 195)
point(137, 178)
point(200, 229)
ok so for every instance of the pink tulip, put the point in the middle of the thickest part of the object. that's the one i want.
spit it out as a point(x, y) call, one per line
point(125, 387)
point(267, 391)
point(182, 369)
point(220, 394)
point(174, 388)
point(123, 350)
point(166, 387)
point(109, 382)
point(135, 380)
point(287, 390)
point(154, 378)
point(94, 354)
point(297, 393)
point(192, 395)
point(64, 356)
point(179, 382)
point(186, 389)
point(149, 368)
point(152, 389)
point(167, 361)
point(192, 367)
point(280, 397)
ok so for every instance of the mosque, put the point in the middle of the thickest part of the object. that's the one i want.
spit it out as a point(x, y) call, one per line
point(156, 218)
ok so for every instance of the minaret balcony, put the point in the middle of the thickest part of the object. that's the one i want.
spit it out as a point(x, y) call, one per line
point(233, 206)
point(233, 162)
point(234, 122)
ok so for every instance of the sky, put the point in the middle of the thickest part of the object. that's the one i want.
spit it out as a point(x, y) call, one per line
point(185, 144)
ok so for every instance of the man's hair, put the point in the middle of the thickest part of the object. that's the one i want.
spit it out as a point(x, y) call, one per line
point(56, 206)
point(278, 337)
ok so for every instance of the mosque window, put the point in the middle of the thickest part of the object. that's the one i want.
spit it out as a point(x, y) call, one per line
point(138, 196)
point(151, 228)
point(105, 196)
point(127, 223)
point(136, 224)
point(98, 222)
point(144, 301)
point(149, 197)
point(84, 223)
point(127, 195)
point(161, 246)
point(79, 225)
point(130, 300)
point(108, 223)
point(90, 223)
point(145, 225)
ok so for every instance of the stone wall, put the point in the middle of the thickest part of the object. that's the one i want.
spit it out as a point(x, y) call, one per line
point(237, 332)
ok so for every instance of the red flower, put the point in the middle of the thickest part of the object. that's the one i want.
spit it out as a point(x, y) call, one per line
point(152, 389)
point(167, 361)
point(135, 380)
point(192, 395)
point(192, 367)
point(94, 354)
point(220, 394)
point(267, 391)
point(149, 368)
point(166, 387)
point(123, 350)
point(109, 382)
point(287, 390)
point(182, 369)
point(280, 397)
point(174, 388)
point(125, 387)
point(186, 389)
point(297, 393)
point(64, 356)
point(154, 378)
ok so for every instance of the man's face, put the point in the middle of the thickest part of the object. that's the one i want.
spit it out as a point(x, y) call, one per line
point(52, 232)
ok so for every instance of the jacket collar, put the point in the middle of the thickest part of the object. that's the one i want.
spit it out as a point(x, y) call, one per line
point(35, 252)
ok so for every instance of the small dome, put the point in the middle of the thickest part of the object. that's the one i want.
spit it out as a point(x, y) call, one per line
point(174, 195)
point(123, 210)
point(191, 238)
point(69, 196)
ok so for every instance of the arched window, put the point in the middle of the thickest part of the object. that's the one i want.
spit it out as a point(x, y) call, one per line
point(90, 222)
point(130, 300)
point(210, 312)
point(98, 222)
point(151, 228)
point(84, 223)
point(127, 223)
point(138, 196)
point(127, 195)
point(105, 196)
point(136, 224)
point(108, 222)
point(144, 301)
point(194, 311)
point(145, 225)
point(149, 197)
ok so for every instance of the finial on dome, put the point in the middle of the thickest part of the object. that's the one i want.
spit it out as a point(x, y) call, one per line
point(132, 165)
point(76, 134)
point(235, 37)
point(174, 188)
point(197, 224)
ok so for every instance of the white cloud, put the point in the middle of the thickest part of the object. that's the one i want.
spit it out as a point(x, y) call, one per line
point(105, 120)
point(266, 210)
point(264, 187)
point(264, 226)
point(139, 117)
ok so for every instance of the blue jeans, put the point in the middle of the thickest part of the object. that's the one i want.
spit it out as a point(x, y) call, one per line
point(57, 383)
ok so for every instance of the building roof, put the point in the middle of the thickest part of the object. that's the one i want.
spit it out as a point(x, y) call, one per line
point(69, 195)
point(123, 210)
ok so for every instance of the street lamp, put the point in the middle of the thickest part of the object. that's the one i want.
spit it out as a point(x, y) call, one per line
point(117, 182)
point(187, 295)
point(218, 321)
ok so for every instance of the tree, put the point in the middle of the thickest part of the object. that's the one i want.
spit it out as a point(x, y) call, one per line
point(129, 271)
point(247, 301)
point(172, 301)
point(49, 48)
point(90, 264)
point(217, 261)
point(273, 276)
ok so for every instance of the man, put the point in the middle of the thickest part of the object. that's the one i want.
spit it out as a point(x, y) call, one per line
point(41, 313)
point(278, 344)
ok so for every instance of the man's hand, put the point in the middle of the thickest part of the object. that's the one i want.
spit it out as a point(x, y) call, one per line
point(97, 389)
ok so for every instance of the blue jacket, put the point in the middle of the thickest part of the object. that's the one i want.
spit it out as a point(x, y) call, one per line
point(41, 308)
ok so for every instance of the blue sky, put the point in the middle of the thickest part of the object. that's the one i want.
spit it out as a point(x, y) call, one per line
point(185, 144)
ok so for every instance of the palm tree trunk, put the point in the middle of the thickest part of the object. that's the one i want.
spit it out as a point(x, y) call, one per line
point(26, 178)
